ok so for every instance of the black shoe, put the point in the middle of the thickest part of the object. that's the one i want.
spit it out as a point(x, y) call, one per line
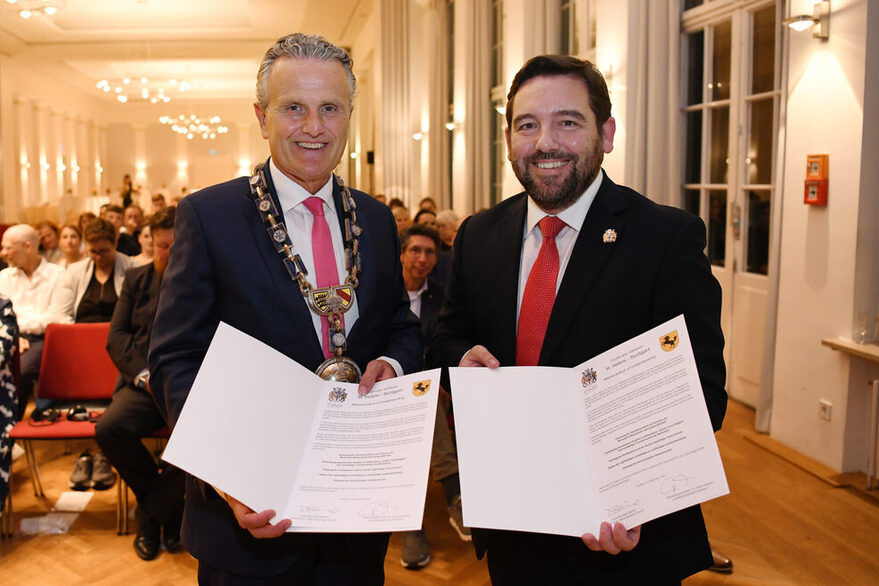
point(103, 476)
point(81, 479)
point(146, 544)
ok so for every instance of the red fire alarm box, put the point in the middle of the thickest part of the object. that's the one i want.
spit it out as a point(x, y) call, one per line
point(816, 180)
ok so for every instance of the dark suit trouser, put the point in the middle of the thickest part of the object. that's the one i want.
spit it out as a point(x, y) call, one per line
point(328, 559)
point(534, 559)
point(132, 414)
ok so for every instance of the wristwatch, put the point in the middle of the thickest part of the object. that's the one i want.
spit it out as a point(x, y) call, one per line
point(140, 381)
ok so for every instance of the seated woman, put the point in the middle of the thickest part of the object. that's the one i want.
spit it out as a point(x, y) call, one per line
point(70, 243)
point(49, 250)
point(8, 392)
point(90, 288)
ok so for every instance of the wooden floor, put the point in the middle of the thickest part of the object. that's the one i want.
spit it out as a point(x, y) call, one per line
point(780, 525)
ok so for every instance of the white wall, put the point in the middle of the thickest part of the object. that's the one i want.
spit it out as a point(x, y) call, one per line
point(825, 114)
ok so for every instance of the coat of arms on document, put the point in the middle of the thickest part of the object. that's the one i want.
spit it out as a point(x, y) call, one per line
point(669, 341)
point(338, 395)
point(590, 377)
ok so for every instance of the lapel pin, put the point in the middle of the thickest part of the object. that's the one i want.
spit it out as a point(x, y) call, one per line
point(610, 235)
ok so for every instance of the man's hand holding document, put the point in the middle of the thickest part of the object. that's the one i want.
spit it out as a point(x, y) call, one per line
point(624, 437)
point(314, 451)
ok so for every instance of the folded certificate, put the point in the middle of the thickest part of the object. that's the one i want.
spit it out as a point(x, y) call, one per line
point(269, 432)
point(623, 437)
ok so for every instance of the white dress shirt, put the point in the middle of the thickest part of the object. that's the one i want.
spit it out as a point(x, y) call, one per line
point(573, 216)
point(35, 299)
point(415, 299)
point(299, 220)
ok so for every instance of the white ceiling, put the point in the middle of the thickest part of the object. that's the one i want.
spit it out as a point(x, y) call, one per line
point(215, 45)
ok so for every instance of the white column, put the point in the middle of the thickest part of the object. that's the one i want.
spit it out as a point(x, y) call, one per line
point(396, 147)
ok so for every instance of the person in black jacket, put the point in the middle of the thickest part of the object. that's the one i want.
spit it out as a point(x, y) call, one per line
point(132, 413)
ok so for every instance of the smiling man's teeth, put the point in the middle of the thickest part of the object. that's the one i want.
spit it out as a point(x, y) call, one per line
point(551, 165)
point(310, 145)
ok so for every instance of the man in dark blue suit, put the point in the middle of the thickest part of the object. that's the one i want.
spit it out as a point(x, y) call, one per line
point(563, 272)
point(225, 266)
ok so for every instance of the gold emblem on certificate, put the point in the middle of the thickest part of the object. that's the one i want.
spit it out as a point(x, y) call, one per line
point(669, 341)
point(420, 388)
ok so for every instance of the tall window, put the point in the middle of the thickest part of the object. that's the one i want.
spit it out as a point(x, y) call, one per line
point(498, 143)
point(730, 125)
point(578, 26)
point(450, 92)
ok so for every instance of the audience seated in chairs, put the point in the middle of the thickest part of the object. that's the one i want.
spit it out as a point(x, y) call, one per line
point(33, 285)
point(8, 393)
point(132, 414)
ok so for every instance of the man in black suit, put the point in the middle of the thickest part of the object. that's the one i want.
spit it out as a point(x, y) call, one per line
point(612, 265)
point(132, 413)
point(233, 261)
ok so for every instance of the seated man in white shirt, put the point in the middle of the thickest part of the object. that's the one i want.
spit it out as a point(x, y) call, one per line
point(31, 283)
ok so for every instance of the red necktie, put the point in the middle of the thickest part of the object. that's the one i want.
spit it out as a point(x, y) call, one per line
point(324, 260)
point(539, 295)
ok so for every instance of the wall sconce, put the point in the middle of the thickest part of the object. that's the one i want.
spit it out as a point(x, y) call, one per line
point(417, 135)
point(353, 155)
point(45, 166)
point(819, 20)
point(502, 110)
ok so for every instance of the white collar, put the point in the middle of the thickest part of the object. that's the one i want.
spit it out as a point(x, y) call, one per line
point(573, 216)
point(291, 194)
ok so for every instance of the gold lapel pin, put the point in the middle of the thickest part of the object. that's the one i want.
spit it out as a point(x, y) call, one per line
point(610, 235)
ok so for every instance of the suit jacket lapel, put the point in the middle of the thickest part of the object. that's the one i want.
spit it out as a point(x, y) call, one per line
point(502, 273)
point(288, 290)
point(591, 252)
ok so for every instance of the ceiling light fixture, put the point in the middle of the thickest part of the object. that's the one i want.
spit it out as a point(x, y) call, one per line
point(192, 126)
point(152, 91)
point(819, 20)
point(28, 8)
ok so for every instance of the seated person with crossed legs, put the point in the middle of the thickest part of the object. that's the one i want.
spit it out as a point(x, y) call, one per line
point(132, 414)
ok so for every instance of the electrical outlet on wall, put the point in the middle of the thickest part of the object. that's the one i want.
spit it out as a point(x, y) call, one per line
point(825, 408)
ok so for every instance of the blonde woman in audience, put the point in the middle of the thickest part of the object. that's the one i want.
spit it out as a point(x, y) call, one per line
point(70, 243)
point(48, 232)
point(145, 239)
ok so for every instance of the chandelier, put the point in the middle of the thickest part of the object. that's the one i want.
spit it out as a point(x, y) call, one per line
point(27, 8)
point(143, 88)
point(192, 126)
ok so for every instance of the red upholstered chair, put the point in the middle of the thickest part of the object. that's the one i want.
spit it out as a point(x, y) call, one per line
point(75, 369)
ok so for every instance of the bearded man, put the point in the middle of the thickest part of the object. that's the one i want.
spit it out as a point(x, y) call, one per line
point(563, 272)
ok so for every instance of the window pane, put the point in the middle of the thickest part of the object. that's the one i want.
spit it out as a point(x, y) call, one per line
point(721, 61)
point(758, 231)
point(717, 227)
point(763, 53)
point(760, 144)
point(696, 60)
point(719, 144)
point(693, 173)
point(691, 201)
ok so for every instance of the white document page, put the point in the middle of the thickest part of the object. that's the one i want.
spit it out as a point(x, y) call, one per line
point(623, 437)
point(269, 432)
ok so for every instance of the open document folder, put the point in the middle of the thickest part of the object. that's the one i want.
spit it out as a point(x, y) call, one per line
point(623, 437)
point(269, 432)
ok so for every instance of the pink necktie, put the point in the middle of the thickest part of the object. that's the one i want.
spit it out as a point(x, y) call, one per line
point(539, 295)
point(324, 260)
